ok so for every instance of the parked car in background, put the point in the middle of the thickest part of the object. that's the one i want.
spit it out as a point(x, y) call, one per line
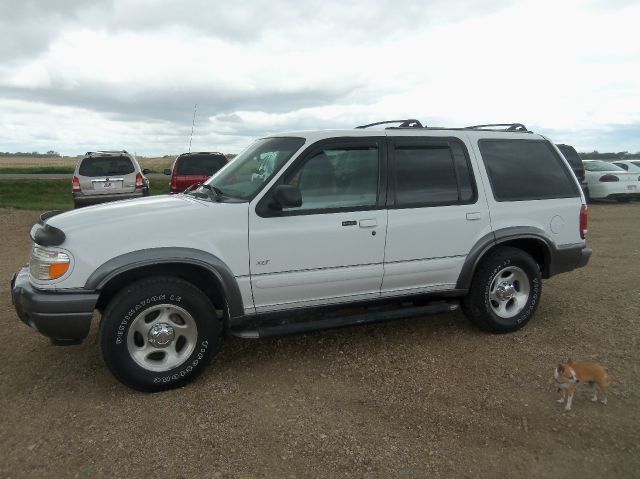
point(575, 161)
point(608, 181)
point(102, 176)
point(193, 168)
point(632, 166)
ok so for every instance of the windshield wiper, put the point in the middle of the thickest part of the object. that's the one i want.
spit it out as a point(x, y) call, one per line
point(213, 189)
point(213, 192)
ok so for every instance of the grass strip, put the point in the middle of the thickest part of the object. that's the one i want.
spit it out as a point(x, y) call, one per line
point(37, 170)
point(45, 195)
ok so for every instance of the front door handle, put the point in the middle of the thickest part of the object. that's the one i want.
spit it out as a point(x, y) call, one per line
point(370, 223)
point(476, 215)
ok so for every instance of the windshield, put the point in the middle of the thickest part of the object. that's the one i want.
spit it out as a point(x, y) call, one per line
point(598, 165)
point(254, 167)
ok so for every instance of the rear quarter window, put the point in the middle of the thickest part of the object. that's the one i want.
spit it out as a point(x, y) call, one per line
point(526, 170)
point(106, 166)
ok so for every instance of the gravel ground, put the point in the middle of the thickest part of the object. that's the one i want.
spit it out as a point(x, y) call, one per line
point(424, 397)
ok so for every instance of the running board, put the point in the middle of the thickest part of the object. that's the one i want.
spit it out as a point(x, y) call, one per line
point(288, 329)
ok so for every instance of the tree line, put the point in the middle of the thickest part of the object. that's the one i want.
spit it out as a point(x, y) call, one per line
point(621, 155)
point(31, 154)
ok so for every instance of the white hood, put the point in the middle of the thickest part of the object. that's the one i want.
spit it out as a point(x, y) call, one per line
point(97, 234)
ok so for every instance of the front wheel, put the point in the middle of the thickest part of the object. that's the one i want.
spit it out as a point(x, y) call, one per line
point(505, 291)
point(158, 333)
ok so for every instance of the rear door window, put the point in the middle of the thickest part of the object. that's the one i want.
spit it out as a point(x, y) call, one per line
point(200, 165)
point(430, 173)
point(106, 166)
point(526, 170)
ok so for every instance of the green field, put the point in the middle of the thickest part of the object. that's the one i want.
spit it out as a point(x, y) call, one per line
point(45, 195)
point(37, 170)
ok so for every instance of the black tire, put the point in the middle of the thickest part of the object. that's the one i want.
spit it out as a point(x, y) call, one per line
point(483, 304)
point(135, 358)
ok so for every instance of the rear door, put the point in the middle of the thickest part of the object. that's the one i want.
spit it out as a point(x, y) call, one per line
point(107, 175)
point(197, 169)
point(331, 248)
point(436, 215)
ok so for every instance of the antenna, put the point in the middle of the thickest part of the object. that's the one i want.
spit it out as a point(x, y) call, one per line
point(193, 124)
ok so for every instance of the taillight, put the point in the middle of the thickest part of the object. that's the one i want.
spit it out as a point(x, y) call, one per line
point(584, 220)
point(174, 184)
point(75, 185)
point(609, 178)
point(139, 181)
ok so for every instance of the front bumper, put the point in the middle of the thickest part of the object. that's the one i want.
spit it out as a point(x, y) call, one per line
point(63, 317)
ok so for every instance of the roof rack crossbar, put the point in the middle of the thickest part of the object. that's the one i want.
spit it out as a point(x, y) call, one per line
point(411, 123)
point(518, 127)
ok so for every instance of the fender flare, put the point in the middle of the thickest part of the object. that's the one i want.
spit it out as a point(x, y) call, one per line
point(174, 255)
point(495, 238)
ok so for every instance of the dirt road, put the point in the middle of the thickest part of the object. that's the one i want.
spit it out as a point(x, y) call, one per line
point(426, 397)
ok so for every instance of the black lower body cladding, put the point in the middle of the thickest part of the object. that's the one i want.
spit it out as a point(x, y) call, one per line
point(63, 317)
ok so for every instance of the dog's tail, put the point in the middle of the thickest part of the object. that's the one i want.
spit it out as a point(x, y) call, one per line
point(612, 379)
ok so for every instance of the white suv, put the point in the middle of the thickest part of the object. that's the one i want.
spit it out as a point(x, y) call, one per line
point(361, 225)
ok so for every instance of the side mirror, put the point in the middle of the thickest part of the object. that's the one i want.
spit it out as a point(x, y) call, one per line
point(287, 196)
point(146, 171)
point(167, 171)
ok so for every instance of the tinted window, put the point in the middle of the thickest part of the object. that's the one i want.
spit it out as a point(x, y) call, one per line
point(106, 166)
point(637, 163)
point(430, 175)
point(622, 165)
point(200, 164)
point(526, 170)
point(571, 155)
point(338, 178)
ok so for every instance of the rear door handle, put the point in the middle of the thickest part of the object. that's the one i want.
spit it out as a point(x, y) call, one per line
point(476, 215)
point(370, 223)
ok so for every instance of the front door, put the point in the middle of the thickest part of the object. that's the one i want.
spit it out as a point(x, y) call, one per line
point(331, 248)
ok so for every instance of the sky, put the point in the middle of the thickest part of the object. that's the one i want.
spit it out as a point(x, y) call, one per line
point(80, 75)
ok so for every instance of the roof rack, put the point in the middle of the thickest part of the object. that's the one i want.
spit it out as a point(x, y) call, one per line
point(89, 153)
point(412, 123)
point(517, 127)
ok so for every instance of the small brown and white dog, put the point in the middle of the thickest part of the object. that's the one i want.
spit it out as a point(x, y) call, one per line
point(569, 374)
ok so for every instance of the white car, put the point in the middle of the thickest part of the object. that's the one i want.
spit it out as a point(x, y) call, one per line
point(608, 181)
point(365, 225)
point(632, 166)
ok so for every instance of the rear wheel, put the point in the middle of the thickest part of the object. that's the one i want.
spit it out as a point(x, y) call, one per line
point(505, 291)
point(158, 333)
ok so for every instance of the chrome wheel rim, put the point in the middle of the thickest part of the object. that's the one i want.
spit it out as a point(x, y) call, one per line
point(509, 292)
point(162, 337)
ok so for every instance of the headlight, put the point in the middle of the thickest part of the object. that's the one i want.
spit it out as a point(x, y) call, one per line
point(48, 264)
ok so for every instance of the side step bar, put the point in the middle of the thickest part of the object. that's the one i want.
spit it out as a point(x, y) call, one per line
point(333, 322)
